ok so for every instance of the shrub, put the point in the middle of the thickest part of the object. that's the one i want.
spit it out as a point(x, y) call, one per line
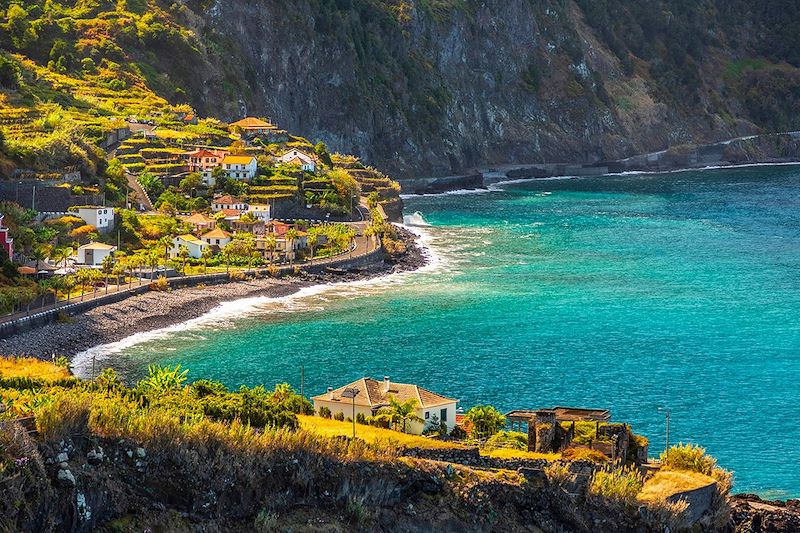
point(324, 412)
point(339, 416)
point(621, 486)
point(508, 439)
point(235, 275)
point(485, 420)
point(161, 284)
point(458, 433)
point(361, 419)
point(688, 457)
point(557, 473)
point(161, 379)
point(584, 454)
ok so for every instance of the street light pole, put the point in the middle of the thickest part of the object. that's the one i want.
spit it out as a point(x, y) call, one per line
point(351, 392)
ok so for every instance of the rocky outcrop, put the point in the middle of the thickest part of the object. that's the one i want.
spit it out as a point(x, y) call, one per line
point(433, 89)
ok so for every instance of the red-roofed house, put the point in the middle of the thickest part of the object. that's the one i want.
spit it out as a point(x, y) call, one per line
point(373, 395)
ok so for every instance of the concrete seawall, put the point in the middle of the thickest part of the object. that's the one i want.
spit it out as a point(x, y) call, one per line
point(35, 320)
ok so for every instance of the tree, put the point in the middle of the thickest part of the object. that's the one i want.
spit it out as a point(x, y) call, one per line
point(400, 413)
point(192, 181)
point(166, 243)
point(485, 420)
point(107, 266)
point(183, 253)
point(270, 244)
point(291, 236)
point(206, 254)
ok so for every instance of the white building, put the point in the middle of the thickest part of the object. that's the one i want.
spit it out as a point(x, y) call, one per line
point(240, 167)
point(227, 202)
point(217, 237)
point(92, 254)
point(261, 212)
point(302, 160)
point(373, 395)
point(192, 243)
point(101, 218)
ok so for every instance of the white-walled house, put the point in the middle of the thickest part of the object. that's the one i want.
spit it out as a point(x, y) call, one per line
point(92, 254)
point(101, 218)
point(302, 160)
point(227, 202)
point(261, 212)
point(192, 243)
point(240, 167)
point(217, 237)
point(373, 395)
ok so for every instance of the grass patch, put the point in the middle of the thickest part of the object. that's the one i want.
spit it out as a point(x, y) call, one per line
point(29, 367)
point(666, 483)
point(508, 453)
point(334, 428)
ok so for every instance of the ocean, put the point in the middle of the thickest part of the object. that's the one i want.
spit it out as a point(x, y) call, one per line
point(641, 293)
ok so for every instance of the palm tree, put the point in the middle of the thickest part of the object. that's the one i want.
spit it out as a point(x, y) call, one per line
point(183, 253)
point(291, 235)
point(61, 254)
point(270, 244)
point(40, 254)
point(153, 258)
point(206, 254)
point(166, 243)
point(400, 413)
point(312, 242)
point(108, 268)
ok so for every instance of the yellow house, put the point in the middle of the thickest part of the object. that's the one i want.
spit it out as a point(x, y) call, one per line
point(373, 395)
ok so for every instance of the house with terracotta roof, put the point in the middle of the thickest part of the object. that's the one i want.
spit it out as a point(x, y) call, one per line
point(373, 395)
point(217, 237)
point(227, 202)
point(200, 222)
point(204, 161)
point(240, 167)
point(192, 243)
point(301, 159)
point(252, 127)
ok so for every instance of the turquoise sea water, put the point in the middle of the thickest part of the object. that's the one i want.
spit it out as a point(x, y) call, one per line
point(634, 293)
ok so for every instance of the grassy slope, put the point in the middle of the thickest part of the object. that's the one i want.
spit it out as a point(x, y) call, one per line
point(666, 483)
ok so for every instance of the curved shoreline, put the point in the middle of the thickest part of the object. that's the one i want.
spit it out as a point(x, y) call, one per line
point(154, 310)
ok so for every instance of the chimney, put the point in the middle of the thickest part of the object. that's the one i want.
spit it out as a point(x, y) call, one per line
point(330, 393)
point(385, 384)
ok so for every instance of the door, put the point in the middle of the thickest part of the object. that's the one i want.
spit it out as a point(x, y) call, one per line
point(89, 256)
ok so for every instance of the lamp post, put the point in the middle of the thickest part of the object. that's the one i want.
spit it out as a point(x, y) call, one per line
point(351, 392)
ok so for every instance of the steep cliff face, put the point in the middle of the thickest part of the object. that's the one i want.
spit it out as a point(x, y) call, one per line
point(436, 87)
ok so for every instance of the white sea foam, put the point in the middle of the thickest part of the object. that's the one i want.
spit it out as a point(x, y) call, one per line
point(306, 299)
point(457, 192)
point(415, 219)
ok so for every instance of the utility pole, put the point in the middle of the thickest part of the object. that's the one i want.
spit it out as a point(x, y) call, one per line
point(33, 199)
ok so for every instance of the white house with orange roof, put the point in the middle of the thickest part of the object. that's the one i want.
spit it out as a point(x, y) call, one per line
point(301, 159)
point(240, 167)
point(205, 161)
point(217, 237)
point(373, 395)
point(200, 222)
point(192, 243)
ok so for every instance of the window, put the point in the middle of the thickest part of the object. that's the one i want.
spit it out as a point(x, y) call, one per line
point(427, 415)
point(443, 416)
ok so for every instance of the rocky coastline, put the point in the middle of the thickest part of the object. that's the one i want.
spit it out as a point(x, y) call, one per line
point(155, 310)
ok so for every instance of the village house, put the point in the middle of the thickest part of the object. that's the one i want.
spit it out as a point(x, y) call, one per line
point(302, 160)
point(5, 239)
point(205, 161)
point(373, 395)
point(200, 222)
point(227, 202)
point(194, 245)
point(92, 254)
point(261, 212)
point(248, 225)
point(240, 167)
point(101, 218)
point(217, 237)
point(253, 127)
